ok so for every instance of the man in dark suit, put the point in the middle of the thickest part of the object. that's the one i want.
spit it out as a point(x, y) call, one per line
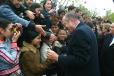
point(107, 53)
point(81, 52)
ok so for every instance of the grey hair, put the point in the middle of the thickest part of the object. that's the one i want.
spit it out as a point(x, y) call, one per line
point(71, 15)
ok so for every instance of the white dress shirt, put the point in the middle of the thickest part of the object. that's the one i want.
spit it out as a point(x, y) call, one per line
point(112, 41)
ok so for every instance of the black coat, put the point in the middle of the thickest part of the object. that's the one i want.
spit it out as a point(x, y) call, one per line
point(81, 58)
point(47, 20)
point(108, 56)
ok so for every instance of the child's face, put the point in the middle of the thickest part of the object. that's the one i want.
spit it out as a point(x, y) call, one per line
point(62, 35)
point(62, 14)
point(54, 29)
point(7, 31)
point(52, 38)
point(36, 41)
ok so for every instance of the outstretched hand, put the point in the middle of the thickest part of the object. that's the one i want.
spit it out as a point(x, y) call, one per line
point(39, 28)
point(52, 56)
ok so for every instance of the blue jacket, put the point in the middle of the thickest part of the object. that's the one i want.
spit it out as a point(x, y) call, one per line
point(7, 52)
point(9, 57)
point(7, 13)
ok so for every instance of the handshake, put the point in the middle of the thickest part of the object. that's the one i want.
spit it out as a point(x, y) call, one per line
point(51, 55)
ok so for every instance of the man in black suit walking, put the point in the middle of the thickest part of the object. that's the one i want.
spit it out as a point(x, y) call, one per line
point(81, 52)
point(108, 53)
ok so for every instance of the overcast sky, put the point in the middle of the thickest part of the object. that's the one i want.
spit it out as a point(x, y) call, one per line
point(100, 5)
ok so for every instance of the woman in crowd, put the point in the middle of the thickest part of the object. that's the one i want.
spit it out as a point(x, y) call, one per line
point(47, 12)
point(39, 17)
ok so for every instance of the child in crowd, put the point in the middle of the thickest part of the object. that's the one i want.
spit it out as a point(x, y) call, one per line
point(30, 56)
point(61, 41)
point(47, 44)
point(54, 28)
point(9, 51)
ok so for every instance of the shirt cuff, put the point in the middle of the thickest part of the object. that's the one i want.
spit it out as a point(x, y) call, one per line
point(14, 45)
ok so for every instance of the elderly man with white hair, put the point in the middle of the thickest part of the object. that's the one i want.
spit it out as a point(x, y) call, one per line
point(81, 51)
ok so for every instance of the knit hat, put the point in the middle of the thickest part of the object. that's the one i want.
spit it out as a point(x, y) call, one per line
point(30, 35)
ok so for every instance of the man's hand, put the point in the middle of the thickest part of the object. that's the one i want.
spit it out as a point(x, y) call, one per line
point(40, 29)
point(52, 56)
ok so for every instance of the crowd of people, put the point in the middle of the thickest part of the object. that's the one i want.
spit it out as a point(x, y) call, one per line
point(37, 40)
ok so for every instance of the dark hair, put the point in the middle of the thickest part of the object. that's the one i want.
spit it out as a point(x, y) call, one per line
point(30, 35)
point(71, 8)
point(44, 2)
point(77, 10)
point(48, 34)
point(60, 11)
point(4, 23)
point(90, 24)
point(34, 6)
point(55, 20)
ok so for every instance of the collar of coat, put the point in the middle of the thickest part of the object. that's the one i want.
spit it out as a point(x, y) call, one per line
point(28, 47)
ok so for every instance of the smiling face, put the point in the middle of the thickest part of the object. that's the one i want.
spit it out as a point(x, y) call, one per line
point(48, 5)
point(70, 21)
point(69, 24)
point(62, 35)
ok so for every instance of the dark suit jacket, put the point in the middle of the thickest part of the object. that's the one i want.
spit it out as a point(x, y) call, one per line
point(81, 58)
point(108, 56)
